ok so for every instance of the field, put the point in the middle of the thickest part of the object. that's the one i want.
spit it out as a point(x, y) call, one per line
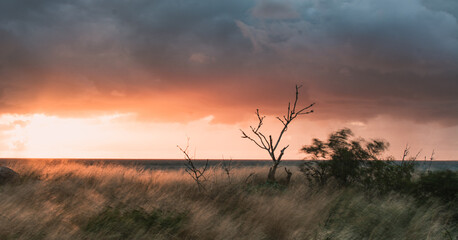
point(71, 200)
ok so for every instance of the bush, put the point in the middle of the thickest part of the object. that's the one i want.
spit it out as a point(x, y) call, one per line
point(317, 173)
point(347, 158)
point(386, 176)
point(356, 162)
point(440, 184)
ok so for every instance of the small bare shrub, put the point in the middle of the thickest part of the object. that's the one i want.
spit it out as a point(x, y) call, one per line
point(197, 174)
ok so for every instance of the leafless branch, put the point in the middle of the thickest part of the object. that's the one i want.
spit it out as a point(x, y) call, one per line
point(282, 151)
point(432, 155)
point(431, 160)
point(260, 145)
point(227, 168)
point(288, 176)
point(196, 173)
point(416, 156)
point(406, 152)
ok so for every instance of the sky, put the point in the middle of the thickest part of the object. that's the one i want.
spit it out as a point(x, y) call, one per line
point(134, 79)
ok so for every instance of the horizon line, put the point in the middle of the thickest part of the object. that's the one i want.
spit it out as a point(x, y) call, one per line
point(197, 159)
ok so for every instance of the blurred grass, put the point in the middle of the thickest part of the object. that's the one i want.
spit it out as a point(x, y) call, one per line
point(68, 200)
point(123, 223)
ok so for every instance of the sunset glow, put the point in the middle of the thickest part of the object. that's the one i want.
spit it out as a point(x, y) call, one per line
point(125, 136)
point(133, 79)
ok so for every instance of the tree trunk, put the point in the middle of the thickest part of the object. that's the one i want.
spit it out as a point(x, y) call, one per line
point(271, 175)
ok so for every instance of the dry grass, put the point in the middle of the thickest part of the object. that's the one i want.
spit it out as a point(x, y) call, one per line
point(68, 200)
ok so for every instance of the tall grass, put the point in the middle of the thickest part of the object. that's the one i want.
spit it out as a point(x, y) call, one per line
point(70, 200)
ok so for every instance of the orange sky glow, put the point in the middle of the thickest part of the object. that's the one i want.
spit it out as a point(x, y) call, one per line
point(124, 136)
point(134, 79)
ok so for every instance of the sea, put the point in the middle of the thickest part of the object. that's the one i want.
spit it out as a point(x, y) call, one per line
point(177, 164)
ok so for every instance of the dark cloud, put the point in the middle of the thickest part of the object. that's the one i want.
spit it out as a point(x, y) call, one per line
point(357, 59)
point(274, 10)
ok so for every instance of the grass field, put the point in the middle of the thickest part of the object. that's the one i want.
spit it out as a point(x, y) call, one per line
point(70, 200)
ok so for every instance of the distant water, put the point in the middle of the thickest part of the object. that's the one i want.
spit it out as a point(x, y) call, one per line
point(437, 165)
point(179, 163)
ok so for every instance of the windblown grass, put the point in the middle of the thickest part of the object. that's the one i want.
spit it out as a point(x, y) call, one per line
point(69, 200)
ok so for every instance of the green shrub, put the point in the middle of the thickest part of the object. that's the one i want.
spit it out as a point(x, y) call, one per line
point(356, 162)
point(386, 176)
point(317, 173)
point(440, 184)
point(346, 157)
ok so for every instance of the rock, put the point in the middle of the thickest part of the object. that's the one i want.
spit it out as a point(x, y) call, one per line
point(7, 174)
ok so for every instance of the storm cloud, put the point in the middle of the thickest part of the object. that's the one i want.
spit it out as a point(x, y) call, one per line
point(356, 59)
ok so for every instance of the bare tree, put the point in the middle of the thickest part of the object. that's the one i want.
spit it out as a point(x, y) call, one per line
point(267, 143)
point(195, 172)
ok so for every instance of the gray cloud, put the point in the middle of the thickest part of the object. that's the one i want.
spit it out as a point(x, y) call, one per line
point(274, 10)
point(372, 57)
point(357, 59)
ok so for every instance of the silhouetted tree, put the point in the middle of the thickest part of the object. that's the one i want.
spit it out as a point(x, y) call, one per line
point(267, 143)
point(346, 157)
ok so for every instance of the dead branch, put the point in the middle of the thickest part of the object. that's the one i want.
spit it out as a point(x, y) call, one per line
point(227, 168)
point(431, 160)
point(288, 176)
point(405, 153)
point(196, 173)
